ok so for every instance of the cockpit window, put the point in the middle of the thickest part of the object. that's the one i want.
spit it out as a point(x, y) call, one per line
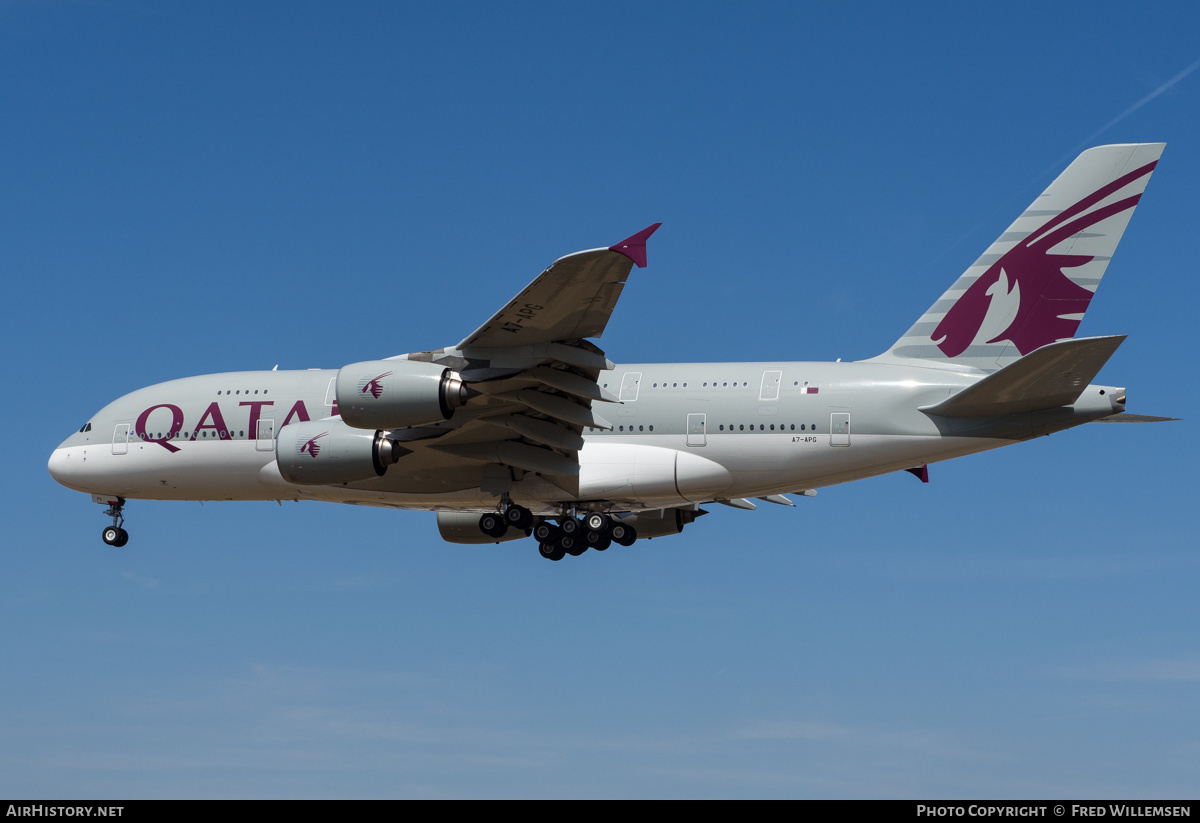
point(86, 428)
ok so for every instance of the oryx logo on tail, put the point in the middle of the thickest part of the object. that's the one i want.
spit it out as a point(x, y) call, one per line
point(1046, 304)
point(312, 447)
point(1032, 285)
point(373, 385)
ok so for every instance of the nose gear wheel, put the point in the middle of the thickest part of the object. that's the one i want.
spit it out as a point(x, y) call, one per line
point(114, 535)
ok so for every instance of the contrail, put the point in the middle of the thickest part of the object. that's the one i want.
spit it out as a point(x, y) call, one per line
point(1092, 137)
point(1057, 165)
point(1164, 87)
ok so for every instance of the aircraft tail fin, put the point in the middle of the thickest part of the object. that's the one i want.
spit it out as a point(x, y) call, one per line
point(1054, 375)
point(1034, 283)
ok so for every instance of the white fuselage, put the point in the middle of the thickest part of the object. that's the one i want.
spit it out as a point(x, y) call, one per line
point(683, 433)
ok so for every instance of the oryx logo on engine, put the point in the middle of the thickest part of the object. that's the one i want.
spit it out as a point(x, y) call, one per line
point(373, 386)
point(312, 447)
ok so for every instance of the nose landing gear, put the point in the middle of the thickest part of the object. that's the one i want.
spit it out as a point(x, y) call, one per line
point(114, 535)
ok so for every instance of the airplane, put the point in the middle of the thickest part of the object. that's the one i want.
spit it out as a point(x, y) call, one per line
point(526, 428)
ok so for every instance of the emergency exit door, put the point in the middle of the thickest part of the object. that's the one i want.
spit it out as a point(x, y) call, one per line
point(839, 429)
point(121, 439)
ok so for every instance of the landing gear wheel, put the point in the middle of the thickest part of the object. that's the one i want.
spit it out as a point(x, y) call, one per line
point(572, 545)
point(492, 524)
point(572, 527)
point(623, 535)
point(518, 517)
point(115, 536)
point(598, 522)
point(546, 533)
point(599, 542)
point(550, 551)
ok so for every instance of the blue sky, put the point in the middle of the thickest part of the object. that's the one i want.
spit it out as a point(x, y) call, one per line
point(202, 187)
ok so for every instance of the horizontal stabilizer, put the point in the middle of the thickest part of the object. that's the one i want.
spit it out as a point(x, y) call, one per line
point(1134, 418)
point(1054, 375)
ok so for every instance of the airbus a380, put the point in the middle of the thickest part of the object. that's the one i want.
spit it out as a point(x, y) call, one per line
point(526, 428)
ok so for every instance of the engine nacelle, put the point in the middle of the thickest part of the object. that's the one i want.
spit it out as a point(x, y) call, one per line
point(463, 527)
point(661, 522)
point(396, 394)
point(327, 452)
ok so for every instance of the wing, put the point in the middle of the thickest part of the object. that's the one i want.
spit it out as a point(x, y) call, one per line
point(533, 378)
point(569, 301)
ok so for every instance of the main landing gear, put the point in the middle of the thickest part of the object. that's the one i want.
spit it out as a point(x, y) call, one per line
point(573, 536)
point(495, 524)
point(114, 535)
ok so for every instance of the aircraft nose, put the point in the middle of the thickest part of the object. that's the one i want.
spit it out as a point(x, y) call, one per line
point(66, 466)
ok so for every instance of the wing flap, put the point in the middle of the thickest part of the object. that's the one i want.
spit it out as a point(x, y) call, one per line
point(584, 356)
point(1052, 376)
point(519, 455)
point(541, 431)
point(561, 409)
point(570, 383)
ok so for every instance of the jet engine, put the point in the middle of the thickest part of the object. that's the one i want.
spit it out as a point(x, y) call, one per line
point(661, 522)
point(327, 452)
point(396, 394)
